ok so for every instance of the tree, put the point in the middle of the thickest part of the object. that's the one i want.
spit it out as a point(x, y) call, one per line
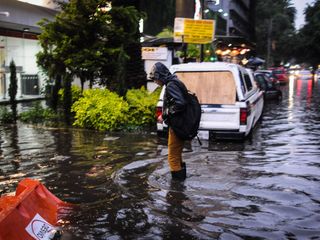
point(308, 50)
point(159, 14)
point(86, 40)
point(130, 61)
point(13, 87)
point(274, 30)
point(166, 33)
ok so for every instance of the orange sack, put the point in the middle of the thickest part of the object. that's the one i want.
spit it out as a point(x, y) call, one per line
point(32, 213)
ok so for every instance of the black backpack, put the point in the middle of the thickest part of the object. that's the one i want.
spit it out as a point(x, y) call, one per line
point(186, 124)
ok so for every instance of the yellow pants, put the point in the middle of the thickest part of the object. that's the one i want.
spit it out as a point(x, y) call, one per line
point(175, 146)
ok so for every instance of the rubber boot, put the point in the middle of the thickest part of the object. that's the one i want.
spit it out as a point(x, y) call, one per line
point(181, 174)
point(184, 168)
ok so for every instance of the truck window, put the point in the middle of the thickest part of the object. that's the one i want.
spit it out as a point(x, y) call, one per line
point(210, 87)
point(248, 82)
point(243, 88)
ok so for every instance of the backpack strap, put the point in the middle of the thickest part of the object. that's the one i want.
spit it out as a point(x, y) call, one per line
point(200, 143)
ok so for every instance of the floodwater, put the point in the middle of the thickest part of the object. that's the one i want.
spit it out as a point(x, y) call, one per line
point(264, 188)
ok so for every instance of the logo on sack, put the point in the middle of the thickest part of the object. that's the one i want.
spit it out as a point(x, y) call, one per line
point(39, 228)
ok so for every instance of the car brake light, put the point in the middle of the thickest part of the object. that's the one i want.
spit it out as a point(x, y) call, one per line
point(159, 114)
point(243, 116)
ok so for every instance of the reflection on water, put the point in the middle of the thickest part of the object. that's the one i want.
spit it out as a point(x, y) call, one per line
point(263, 188)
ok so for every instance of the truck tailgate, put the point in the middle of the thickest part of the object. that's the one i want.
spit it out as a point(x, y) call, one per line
point(221, 117)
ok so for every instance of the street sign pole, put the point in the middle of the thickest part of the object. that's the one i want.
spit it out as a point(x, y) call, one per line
point(184, 47)
point(201, 45)
point(195, 31)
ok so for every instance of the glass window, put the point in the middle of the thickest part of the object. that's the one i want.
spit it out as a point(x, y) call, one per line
point(248, 82)
point(278, 71)
point(243, 88)
point(261, 82)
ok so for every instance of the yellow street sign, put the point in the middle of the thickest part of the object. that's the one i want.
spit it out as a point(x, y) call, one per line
point(194, 31)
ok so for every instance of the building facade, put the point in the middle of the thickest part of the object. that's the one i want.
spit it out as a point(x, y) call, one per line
point(234, 18)
point(18, 43)
point(241, 18)
point(235, 35)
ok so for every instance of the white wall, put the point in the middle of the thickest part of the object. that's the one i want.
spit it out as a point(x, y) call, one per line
point(151, 86)
point(23, 53)
point(42, 3)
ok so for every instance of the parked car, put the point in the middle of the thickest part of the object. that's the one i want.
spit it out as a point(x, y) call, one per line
point(269, 74)
point(281, 74)
point(270, 89)
point(230, 101)
point(305, 75)
point(318, 73)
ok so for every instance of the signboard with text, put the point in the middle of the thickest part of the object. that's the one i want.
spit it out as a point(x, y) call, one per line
point(154, 53)
point(189, 30)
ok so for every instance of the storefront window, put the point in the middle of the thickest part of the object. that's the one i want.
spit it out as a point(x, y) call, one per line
point(22, 50)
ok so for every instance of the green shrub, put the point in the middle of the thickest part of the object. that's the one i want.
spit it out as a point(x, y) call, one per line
point(37, 114)
point(6, 116)
point(75, 91)
point(100, 109)
point(142, 106)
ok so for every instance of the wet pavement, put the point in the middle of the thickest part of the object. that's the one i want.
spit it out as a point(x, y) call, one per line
point(264, 188)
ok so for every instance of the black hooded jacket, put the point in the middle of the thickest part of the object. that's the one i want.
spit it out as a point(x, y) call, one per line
point(174, 101)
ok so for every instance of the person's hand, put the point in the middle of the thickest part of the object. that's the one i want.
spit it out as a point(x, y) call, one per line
point(160, 119)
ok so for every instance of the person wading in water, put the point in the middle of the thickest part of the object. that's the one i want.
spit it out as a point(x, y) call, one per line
point(174, 103)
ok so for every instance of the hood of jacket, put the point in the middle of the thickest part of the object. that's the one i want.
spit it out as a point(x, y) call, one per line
point(160, 72)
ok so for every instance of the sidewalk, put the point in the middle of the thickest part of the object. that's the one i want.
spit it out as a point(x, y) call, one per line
point(24, 98)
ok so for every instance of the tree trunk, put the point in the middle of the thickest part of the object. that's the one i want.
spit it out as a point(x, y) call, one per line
point(82, 80)
point(55, 90)
point(67, 98)
point(13, 88)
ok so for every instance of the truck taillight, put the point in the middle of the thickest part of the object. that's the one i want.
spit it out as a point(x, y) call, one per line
point(159, 114)
point(243, 116)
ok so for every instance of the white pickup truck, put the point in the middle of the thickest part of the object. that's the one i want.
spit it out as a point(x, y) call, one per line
point(230, 101)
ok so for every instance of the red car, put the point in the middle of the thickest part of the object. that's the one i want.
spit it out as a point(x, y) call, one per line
point(280, 74)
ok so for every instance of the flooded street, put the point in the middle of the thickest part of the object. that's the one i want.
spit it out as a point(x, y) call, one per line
point(264, 188)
